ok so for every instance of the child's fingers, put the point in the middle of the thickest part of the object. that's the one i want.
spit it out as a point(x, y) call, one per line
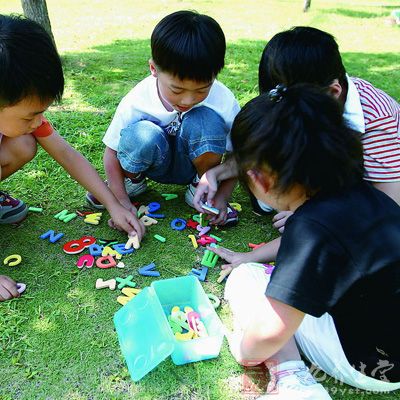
point(280, 219)
point(221, 218)
point(222, 252)
point(198, 197)
point(5, 294)
point(139, 228)
point(8, 288)
point(282, 216)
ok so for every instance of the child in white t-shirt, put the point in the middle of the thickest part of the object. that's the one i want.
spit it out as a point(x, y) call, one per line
point(173, 126)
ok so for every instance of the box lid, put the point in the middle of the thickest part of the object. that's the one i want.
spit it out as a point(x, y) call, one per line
point(144, 334)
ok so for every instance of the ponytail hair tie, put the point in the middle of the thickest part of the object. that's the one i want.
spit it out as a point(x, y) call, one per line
point(276, 94)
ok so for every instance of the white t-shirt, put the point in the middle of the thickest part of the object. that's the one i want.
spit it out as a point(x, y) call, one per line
point(143, 103)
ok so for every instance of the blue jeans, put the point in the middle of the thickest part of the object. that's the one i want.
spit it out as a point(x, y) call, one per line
point(145, 147)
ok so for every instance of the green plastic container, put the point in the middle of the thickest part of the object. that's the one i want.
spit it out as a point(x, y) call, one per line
point(145, 336)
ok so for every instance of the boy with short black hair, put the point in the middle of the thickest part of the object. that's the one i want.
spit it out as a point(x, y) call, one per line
point(172, 126)
point(31, 78)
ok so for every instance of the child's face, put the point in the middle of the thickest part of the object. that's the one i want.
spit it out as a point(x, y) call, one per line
point(23, 117)
point(177, 94)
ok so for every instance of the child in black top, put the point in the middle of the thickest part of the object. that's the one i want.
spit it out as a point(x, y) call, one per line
point(336, 281)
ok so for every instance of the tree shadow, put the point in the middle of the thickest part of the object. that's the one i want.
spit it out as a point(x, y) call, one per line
point(99, 78)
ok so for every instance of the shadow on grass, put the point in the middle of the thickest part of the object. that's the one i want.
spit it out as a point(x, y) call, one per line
point(383, 11)
point(101, 77)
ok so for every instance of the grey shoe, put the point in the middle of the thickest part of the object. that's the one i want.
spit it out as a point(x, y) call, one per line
point(12, 210)
point(189, 194)
point(133, 189)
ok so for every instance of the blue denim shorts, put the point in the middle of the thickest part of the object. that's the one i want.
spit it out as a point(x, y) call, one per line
point(146, 147)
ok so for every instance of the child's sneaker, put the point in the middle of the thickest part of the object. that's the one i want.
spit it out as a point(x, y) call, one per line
point(190, 191)
point(292, 380)
point(132, 188)
point(12, 210)
point(232, 217)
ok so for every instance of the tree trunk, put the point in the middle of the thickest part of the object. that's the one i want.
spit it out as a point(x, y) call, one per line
point(307, 5)
point(36, 10)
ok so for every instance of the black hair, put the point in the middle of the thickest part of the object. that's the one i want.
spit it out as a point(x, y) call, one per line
point(29, 62)
point(300, 136)
point(189, 45)
point(301, 55)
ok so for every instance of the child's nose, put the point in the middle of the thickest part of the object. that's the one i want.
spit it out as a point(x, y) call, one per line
point(188, 100)
point(37, 121)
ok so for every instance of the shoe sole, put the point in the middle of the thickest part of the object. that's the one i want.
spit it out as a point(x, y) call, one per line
point(15, 218)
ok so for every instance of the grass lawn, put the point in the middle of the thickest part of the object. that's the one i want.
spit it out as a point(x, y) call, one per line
point(58, 341)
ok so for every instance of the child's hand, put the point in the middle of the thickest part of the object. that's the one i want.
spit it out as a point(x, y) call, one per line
point(280, 219)
point(233, 258)
point(8, 288)
point(220, 201)
point(206, 189)
point(126, 220)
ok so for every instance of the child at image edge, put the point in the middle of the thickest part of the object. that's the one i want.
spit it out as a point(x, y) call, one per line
point(31, 78)
point(173, 126)
point(336, 282)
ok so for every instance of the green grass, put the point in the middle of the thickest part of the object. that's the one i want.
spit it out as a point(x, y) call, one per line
point(58, 340)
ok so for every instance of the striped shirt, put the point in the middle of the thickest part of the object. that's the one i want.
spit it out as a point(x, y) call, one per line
point(381, 136)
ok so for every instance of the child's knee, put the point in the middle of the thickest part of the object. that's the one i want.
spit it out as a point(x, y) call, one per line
point(27, 148)
point(200, 118)
point(141, 134)
point(205, 131)
point(140, 146)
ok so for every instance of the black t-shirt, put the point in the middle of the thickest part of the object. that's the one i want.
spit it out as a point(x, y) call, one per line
point(341, 254)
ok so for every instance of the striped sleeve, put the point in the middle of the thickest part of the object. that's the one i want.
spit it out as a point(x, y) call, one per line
point(381, 140)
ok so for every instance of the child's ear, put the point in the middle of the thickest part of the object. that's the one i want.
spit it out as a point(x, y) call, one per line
point(263, 182)
point(335, 89)
point(153, 68)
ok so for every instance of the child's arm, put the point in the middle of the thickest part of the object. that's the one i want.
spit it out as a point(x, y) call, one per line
point(81, 170)
point(8, 288)
point(266, 253)
point(392, 189)
point(115, 176)
point(276, 323)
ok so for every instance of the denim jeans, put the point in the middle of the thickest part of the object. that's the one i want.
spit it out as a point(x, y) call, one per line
point(145, 147)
